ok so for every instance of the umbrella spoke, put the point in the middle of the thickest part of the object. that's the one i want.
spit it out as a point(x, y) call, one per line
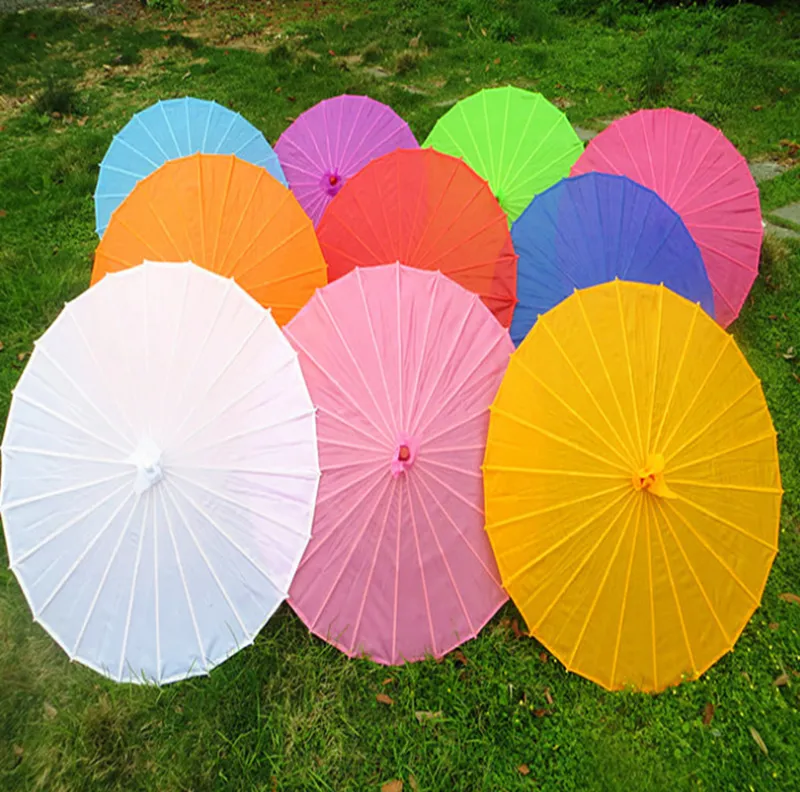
point(717, 557)
point(631, 450)
point(445, 486)
point(596, 515)
point(37, 613)
point(251, 431)
point(695, 576)
point(480, 366)
point(720, 454)
point(415, 388)
point(342, 390)
point(728, 523)
point(629, 507)
point(678, 371)
point(737, 262)
point(239, 398)
point(64, 491)
point(355, 125)
point(129, 613)
point(676, 599)
point(206, 561)
point(81, 392)
point(625, 592)
point(711, 369)
point(456, 337)
point(332, 531)
point(651, 588)
point(15, 562)
point(237, 502)
point(627, 462)
point(415, 532)
point(242, 212)
point(234, 358)
point(531, 178)
point(754, 385)
point(353, 547)
point(184, 584)
point(634, 400)
point(487, 562)
point(112, 557)
point(557, 438)
point(656, 358)
point(373, 564)
point(255, 239)
point(346, 347)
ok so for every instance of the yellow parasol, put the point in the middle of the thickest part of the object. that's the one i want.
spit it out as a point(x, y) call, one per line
point(632, 486)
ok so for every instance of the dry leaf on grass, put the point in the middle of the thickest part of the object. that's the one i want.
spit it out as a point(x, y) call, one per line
point(423, 715)
point(787, 596)
point(49, 711)
point(548, 697)
point(524, 769)
point(759, 741)
point(708, 714)
point(382, 698)
point(412, 782)
point(388, 681)
point(782, 680)
point(393, 786)
point(459, 657)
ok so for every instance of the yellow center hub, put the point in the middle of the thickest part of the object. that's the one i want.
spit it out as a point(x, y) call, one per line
point(650, 478)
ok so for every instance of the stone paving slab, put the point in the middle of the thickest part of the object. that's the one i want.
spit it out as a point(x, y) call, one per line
point(585, 134)
point(764, 171)
point(779, 231)
point(790, 213)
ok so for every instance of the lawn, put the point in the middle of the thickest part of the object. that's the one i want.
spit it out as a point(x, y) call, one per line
point(291, 713)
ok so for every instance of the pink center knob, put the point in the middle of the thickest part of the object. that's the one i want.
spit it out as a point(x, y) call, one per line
point(405, 452)
point(331, 182)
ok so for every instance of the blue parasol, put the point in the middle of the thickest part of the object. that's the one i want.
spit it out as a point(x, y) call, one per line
point(168, 130)
point(593, 228)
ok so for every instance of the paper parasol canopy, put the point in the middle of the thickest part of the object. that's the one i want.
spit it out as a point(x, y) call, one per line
point(402, 366)
point(593, 228)
point(632, 486)
point(159, 473)
point(225, 215)
point(168, 130)
point(425, 210)
point(329, 143)
point(699, 173)
point(514, 138)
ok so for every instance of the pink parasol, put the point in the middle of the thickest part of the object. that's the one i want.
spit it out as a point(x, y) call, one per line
point(701, 175)
point(332, 141)
point(402, 365)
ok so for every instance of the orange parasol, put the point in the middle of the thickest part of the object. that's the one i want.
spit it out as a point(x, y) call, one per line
point(226, 215)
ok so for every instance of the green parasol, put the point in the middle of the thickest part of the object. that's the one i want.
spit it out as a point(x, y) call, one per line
point(519, 142)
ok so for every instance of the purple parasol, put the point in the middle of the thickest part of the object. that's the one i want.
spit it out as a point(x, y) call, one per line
point(332, 141)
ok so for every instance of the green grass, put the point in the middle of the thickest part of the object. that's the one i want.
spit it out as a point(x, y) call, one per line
point(291, 713)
